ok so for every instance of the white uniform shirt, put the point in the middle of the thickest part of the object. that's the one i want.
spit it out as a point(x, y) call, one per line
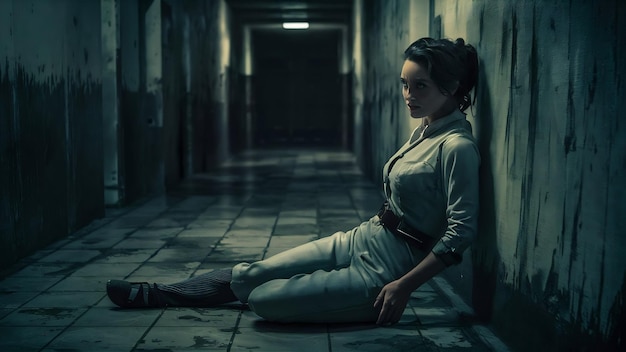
point(433, 184)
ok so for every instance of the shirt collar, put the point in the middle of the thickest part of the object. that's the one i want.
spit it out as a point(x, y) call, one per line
point(440, 123)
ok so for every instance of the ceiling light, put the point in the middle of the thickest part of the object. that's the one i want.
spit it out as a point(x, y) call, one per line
point(295, 25)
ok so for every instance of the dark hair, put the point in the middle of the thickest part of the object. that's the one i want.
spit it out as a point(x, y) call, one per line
point(447, 63)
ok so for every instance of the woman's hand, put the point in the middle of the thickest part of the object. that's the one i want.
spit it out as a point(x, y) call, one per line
point(393, 299)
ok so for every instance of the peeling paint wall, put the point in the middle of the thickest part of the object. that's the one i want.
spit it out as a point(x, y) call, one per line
point(141, 110)
point(130, 96)
point(198, 72)
point(50, 122)
point(548, 268)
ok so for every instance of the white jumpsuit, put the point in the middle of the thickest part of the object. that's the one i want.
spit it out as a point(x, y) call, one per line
point(433, 186)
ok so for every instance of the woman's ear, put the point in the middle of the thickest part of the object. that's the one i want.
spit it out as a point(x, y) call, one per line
point(454, 88)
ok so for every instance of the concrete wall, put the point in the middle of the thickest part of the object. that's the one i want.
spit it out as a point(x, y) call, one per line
point(50, 122)
point(198, 69)
point(548, 268)
point(104, 102)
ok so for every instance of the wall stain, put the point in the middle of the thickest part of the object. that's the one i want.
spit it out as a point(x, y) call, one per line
point(536, 232)
point(591, 88)
point(573, 255)
point(505, 43)
point(481, 25)
point(570, 134)
point(510, 116)
point(616, 337)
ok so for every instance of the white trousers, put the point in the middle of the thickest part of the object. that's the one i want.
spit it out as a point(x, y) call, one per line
point(333, 279)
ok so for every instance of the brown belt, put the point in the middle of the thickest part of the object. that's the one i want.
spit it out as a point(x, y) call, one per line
point(394, 224)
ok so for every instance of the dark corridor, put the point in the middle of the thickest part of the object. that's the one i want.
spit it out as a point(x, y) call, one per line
point(297, 89)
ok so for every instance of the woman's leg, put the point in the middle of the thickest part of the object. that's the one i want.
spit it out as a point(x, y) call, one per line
point(344, 294)
point(205, 290)
point(326, 254)
point(214, 288)
point(321, 297)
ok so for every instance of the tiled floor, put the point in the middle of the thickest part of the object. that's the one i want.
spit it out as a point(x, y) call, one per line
point(255, 206)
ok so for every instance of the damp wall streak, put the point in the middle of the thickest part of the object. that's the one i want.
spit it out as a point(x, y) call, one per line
point(50, 116)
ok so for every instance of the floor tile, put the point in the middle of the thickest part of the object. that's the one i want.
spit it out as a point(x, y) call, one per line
point(45, 269)
point(215, 317)
point(181, 255)
point(80, 284)
point(204, 338)
point(16, 299)
point(107, 317)
point(140, 243)
point(70, 256)
point(238, 254)
point(27, 284)
point(128, 222)
point(167, 223)
point(109, 269)
point(282, 339)
point(159, 271)
point(243, 241)
point(369, 338)
point(265, 232)
point(437, 316)
point(152, 234)
point(193, 242)
point(65, 299)
point(452, 338)
point(26, 338)
point(36, 316)
point(305, 213)
point(102, 238)
point(220, 213)
point(214, 224)
point(118, 339)
point(126, 256)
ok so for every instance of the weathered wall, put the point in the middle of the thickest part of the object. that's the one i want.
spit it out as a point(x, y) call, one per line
point(197, 72)
point(50, 122)
point(548, 268)
point(172, 64)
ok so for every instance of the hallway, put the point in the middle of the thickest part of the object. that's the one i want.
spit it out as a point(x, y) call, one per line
point(161, 139)
point(257, 204)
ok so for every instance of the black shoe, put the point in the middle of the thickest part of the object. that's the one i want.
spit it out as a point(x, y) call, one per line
point(133, 294)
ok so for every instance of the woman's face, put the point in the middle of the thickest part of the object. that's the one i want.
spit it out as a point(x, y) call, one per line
point(422, 96)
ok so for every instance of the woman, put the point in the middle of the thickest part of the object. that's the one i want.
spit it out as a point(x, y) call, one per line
point(368, 273)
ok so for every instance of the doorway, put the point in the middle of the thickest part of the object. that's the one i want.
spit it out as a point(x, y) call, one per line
point(297, 88)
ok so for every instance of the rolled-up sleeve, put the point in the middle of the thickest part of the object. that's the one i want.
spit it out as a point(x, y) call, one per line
point(459, 166)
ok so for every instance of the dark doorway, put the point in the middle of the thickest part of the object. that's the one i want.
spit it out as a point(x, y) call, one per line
point(297, 88)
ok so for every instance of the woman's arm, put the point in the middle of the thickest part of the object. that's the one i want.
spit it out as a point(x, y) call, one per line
point(460, 162)
point(394, 297)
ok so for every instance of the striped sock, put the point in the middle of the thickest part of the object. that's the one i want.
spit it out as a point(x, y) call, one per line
point(206, 290)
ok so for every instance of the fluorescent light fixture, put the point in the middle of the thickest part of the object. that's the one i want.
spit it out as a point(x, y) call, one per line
point(295, 25)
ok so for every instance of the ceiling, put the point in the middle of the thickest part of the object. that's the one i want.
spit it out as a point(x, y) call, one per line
point(277, 11)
